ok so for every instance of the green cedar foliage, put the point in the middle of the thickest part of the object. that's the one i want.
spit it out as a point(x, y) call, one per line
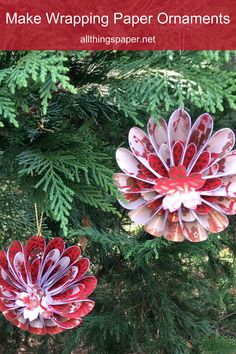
point(62, 116)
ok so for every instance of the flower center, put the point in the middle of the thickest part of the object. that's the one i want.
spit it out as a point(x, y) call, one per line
point(34, 303)
point(180, 188)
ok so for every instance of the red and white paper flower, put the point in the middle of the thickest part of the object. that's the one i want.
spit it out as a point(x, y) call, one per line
point(43, 288)
point(179, 181)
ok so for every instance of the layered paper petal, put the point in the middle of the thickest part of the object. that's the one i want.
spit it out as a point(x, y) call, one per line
point(201, 131)
point(178, 181)
point(157, 133)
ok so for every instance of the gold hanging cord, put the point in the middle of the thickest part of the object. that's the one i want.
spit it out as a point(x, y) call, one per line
point(39, 221)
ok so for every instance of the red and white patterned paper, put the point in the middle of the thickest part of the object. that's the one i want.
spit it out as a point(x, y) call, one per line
point(179, 181)
point(44, 288)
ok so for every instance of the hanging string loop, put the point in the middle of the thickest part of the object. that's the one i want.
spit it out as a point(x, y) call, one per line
point(39, 221)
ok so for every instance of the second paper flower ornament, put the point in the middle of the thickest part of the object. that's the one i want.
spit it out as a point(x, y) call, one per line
point(44, 288)
point(179, 181)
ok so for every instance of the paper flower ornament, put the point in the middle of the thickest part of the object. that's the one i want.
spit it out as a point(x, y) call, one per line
point(179, 181)
point(43, 288)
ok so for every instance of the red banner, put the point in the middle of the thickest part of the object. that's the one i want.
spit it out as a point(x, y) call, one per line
point(126, 25)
